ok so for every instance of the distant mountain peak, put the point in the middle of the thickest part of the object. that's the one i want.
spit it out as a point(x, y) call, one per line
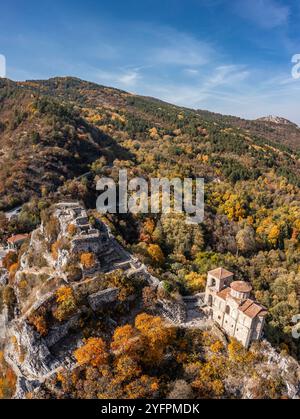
point(276, 120)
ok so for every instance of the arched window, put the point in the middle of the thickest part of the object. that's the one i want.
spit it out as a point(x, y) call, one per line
point(227, 311)
point(210, 300)
point(212, 282)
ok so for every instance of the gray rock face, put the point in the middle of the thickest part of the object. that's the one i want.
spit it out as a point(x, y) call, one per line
point(3, 277)
point(276, 120)
point(3, 323)
point(173, 310)
point(62, 260)
point(24, 387)
point(288, 366)
point(37, 360)
point(99, 299)
point(60, 331)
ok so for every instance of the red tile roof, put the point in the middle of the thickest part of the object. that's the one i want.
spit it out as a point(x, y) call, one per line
point(220, 273)
point(224, 293)
point(246, 304)
point(241, 286)
point(252, 309)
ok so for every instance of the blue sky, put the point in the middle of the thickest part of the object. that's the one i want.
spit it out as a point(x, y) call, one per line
point(228, 56)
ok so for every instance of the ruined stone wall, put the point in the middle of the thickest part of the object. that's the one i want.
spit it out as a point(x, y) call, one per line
point(101, 298)
point(86, 245)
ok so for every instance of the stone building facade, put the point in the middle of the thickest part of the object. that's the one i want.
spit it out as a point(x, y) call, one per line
point(229, 304)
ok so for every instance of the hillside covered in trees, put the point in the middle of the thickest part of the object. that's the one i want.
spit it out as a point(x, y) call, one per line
point(53, 132)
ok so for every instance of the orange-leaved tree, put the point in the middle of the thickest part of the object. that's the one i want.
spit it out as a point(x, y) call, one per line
point(156, 254)
point(125, 341)
point(92, 353)
point(88, 260)
point(155, 335)
point(126, 369)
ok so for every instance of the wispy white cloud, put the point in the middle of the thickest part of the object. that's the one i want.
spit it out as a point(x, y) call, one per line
point(126, 78)
point(194, 92)
point(227, 75)
point(178, 48)
point(204, 80)
point(232, 89)
point(129, 78)
point(191, 72)
point(267, 14)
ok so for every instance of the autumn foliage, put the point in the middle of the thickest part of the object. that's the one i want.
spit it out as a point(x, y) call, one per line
point(66, 303)
point(154, 335)
point(125, 341)
point(88, 260)
point(92, 353)
point(39, 322)
point(124, 370)
point(10, 259)
point(72, 229)
point(156, 254)
point(55, 248)
point(7, 379)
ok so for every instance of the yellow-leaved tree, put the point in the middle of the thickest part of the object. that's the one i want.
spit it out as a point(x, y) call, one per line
point(156, 254)
point(155, 336)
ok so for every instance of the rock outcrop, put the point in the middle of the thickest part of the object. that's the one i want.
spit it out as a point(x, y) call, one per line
point(173, 310)
point(3, 276)
point(28, 353)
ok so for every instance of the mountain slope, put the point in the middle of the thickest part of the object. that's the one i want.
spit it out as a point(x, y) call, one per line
point(275, 129)
point(43, 142)
point(51, 130)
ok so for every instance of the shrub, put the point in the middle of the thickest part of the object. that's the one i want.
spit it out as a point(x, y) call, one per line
point(72, 229)
point(51, 226)
point(7, 379)
point(39, 322)
point(74, 273)
point(88, 260)
point(12, 271)
point(67, 305)
point(9, 259)
point(9, 298)
point(55, 248)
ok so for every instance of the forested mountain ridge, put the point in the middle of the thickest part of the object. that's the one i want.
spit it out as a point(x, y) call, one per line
point(51, 130)
point(273, 128)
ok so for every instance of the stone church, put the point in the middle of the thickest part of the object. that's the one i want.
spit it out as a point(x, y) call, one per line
point(229, 304)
